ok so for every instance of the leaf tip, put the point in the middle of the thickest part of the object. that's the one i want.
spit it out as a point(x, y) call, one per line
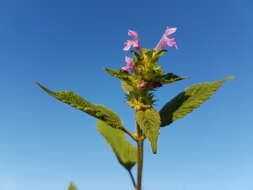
point(154, 147)
point(186, 77)
point(37, 83)
point(105, 69)
point(230, 77)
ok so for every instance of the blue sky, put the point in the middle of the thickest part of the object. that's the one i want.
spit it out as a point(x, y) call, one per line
point(45, 144)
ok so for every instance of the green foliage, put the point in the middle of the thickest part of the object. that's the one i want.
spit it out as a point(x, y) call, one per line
point(98, 111)
point(140, 100)
point(126, 87)
point(161, 52)
point(120, 74)
point(147, 68)
point(72, 186)
point(149, 122)
point(188, 100)
point(170, 78)
point(125, 152)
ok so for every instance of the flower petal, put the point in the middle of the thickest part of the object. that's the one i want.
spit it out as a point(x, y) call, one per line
point(170, 31)
point(133, 34)
point(127, 45)
point(128, 60)
point(129, 66)
point(142, 84)
point(171, 42)
point(165, 40)
point(125, 68)
point(161, 44)
point(135, 43)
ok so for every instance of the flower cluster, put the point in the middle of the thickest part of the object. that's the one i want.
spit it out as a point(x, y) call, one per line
point(136, 43)
point(142, 73)
point(129, 66)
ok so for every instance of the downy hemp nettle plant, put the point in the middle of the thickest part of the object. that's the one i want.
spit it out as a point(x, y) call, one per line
point(139, 78)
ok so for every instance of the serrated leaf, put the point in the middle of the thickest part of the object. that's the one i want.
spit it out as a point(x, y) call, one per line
point(149, 122)
point(120, 74)
point(72, 186)
point(126, 87)
point(170, 78)
point(98, 111)
point(125, 152)
point(188, 100)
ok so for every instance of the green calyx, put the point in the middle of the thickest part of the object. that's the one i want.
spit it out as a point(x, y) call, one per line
point(140, 100)
point(146, 67)
point(145, 77)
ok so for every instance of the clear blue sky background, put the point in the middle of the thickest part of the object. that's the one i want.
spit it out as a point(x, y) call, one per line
point(44, 144)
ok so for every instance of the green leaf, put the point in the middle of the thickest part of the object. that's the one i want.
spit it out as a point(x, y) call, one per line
point(188, 100)
point(126, 87)
point(72, 186)
point(98, 111)
point(120, 74)
point(160, 53)
point(124, 76)
point(149, 122)
point(170, 78)
point(125, 152)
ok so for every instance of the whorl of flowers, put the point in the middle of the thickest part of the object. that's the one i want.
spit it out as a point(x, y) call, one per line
point(144, 74)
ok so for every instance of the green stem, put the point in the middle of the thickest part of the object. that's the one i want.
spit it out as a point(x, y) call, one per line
point(139, 158)
point(130, 134)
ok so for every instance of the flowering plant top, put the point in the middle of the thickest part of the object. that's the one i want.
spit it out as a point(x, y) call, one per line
point(139, 78)
point(141, 74)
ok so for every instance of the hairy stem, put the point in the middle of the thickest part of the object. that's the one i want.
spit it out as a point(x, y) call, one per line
point(139, 158)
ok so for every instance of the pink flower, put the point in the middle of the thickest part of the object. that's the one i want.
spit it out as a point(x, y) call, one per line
point(142, 84)
point(129, 66)
point(165, 40)
point(135, 43)
point(133, 34)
